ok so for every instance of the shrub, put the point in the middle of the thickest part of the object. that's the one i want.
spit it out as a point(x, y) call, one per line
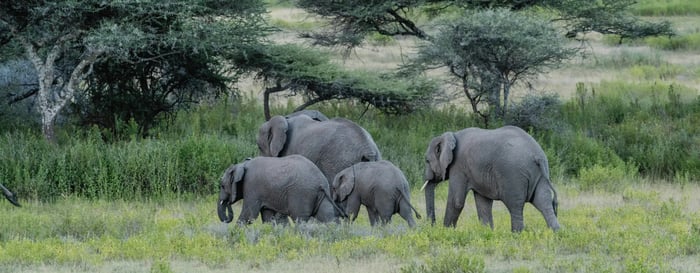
point(536, 113)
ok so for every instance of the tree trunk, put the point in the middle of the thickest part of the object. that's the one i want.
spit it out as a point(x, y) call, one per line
point(55, 91)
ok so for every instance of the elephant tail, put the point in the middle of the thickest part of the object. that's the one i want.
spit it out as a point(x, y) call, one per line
point(326, 195)
point(544, 167)
point(404, 199)
point(555, 202)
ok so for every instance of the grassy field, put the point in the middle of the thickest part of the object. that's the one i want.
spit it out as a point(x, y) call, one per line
point(642, 228)
point(149, 205)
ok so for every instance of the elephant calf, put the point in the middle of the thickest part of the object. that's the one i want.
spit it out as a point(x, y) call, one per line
point(290, 185)
point(380, 186)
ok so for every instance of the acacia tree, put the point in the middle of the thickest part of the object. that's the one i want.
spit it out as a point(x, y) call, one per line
point(489, 51)
point(296, 69)
point(64, 39)
point(351, 20)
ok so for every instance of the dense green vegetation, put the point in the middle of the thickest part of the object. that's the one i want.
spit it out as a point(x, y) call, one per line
point(613, 127)
point(624, 156)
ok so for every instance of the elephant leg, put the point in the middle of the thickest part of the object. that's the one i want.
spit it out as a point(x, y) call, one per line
point(373, 215)
point(456, 195)
point(352, 208)
point(326, 212)
point(249, 211)
point(543, 202)
point(484, 209)
point(516, 216)
point(406, 212)
point(271, 216)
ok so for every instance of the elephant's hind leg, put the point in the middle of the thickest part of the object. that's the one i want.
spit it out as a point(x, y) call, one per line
point(517, 223)
point(543, 202)
point(407, 213)
point(484, 208)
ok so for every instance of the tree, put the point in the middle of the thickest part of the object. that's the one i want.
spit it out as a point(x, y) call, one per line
point(296, 69)
point(489, 51)
point(351, 20)
point(65, 39)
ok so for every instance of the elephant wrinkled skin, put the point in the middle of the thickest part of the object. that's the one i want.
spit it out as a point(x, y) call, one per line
point(332, 145)
point(290, 185)
point(504, 164)
point(380, 186)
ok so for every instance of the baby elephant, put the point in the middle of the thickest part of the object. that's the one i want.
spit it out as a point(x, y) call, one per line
point(380, 186)
point(290, 185)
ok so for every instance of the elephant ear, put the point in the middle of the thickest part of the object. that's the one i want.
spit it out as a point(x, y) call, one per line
point(445, 151)
point(272, 136)
point(235, 176)
point(346, 183)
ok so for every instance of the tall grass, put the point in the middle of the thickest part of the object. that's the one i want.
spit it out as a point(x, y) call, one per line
point(631, 129)
point(666, 7)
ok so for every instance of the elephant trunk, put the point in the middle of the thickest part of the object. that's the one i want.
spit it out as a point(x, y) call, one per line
point(9, 195)
point(429, 188)
point(225, 211)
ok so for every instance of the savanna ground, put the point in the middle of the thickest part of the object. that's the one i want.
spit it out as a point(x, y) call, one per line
point(627, 223)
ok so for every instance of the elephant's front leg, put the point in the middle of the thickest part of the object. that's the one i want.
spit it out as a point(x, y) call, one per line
point(271, 216)
point(484, 208)
point(352, 207)
point(249, 211)
point(456, 195)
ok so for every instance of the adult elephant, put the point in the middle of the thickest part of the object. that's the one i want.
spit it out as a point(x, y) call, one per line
point(503, 164)
point(290, 185)
point(9, 195)
point(332, 145)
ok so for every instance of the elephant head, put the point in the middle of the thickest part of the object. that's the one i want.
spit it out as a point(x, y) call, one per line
point(272, 136)
point(10, 196)
point(231, 191)
point(343, 185)
point(438, 158)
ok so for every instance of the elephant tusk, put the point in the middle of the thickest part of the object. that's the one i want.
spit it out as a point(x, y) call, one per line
point(426, 183)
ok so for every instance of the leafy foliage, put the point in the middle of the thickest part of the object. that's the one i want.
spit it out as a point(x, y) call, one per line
point(352, 20)
point(298, 69)
point(161, 54)
point(487, 52)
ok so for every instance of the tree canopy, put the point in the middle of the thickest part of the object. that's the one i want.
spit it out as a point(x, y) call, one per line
point(66, 40)
point(351, 20)
point(487, 52)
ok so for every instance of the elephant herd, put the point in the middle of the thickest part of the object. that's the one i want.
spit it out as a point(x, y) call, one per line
point(310, 166)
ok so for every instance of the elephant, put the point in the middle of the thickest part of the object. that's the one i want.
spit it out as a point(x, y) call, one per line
point(380, 186)
point(10, 196)
point(332, 145)
point(290, 185)
point(504, 164)
point(313, 114)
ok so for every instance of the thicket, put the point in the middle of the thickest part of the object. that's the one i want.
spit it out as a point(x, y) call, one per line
point(609, 134)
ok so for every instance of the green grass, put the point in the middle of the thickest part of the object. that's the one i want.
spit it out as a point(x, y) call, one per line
point(635, 230)
point(666, 7)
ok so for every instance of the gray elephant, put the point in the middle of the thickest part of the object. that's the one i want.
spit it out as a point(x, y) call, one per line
point(380, 186)
point(290, 185)
point(332, 145)
point(503, 164)
point(9, 195)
